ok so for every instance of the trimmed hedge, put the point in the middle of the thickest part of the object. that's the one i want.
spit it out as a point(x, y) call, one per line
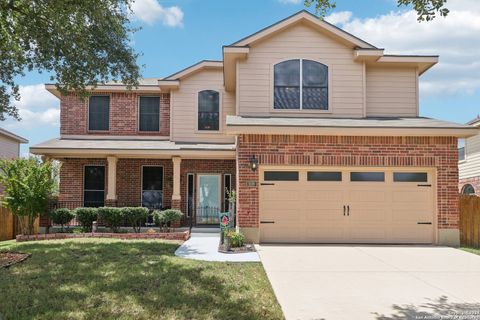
point(62, 216)
point(135, 215)
point(86, 216)
point(112, 216)
point(164, 218)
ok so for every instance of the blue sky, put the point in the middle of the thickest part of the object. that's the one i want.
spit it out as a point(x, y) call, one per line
point(176, 34)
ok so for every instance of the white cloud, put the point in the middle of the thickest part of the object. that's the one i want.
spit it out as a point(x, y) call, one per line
point(37, 107)
point(455, 38)
point(339, 17)
point(149, 11)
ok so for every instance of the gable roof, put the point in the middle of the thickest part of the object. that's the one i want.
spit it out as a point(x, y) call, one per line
point(305, 16)
point(474, 122)
point(12, 136)
point(204, 64)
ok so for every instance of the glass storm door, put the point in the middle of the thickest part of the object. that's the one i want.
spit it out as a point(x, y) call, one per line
point(209, 199)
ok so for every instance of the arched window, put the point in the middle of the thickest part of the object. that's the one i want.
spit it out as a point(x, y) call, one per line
point(208, 110)
point(468, 190)
point(300, 84)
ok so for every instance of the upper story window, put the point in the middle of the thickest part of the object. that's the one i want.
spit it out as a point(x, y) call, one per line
point(99, 113)
point(208, 110)
point(300, 84)
point(149, 114)
point(461, 149)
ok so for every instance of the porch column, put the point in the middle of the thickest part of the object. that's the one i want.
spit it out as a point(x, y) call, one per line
point(112, 179)
point(176, 197)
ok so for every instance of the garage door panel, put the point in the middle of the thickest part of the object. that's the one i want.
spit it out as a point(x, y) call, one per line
point(371, 233)
point(277, 194)
point(323, 195)
point(412, 233)
point(380, 212)
point(409, 196)
point(367, 195)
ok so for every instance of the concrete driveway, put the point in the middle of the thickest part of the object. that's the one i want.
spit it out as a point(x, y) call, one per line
point(373, 282)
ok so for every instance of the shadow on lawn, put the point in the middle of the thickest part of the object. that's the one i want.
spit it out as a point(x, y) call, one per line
point(130, 280)
point(435, 309)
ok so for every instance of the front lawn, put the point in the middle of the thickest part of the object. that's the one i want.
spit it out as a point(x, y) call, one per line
point(472, 250)
point(137, 279)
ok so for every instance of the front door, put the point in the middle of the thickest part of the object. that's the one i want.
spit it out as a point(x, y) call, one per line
point(209, 199)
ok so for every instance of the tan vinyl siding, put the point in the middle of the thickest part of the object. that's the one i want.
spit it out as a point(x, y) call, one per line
point(255, 83)
point(391, 91)
point(9, 148)
point(184, 108)
point(471, 166)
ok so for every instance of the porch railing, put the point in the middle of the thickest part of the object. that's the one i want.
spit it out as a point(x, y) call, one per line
point(207, 215)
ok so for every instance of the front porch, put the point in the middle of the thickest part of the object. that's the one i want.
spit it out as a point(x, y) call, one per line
point(197, 187)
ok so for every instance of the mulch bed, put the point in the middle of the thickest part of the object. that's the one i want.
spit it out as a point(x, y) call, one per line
point(244, 249)
point(10, 258)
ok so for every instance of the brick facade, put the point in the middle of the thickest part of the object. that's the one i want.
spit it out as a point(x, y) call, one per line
point(129, 180)
point(438, 152)
point(123, 115)
point(474, 181)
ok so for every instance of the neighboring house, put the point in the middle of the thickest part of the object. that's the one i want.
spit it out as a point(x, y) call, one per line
point(9, 146)
point(317, 130)
point(469, 162)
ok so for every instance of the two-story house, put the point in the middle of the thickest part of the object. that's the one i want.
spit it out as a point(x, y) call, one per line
point(469, 163)
point(317, 130)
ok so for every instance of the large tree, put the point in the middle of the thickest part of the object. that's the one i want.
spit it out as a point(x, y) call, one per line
point(79, 42)
point(427, 10)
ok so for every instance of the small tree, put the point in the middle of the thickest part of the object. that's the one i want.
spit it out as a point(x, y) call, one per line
point(111, 216)
point(164, 218)
point(86, 216)
point(61, 216)
point(28, 185)
point(135, 215)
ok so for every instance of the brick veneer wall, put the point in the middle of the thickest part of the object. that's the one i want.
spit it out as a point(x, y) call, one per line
point(123, 115)
point(438, 152)
point(474, 181)
point(71, 178)
point(129, 179)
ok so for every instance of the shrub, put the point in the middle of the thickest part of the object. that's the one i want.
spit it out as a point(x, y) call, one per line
point(61, 216)
point(135, 215)
point(237, 239)
point(164, 218)
point(111, 216)
point(86, 216)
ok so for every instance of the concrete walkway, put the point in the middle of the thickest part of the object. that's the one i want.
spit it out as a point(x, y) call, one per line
point(204, 246)
point(373, 282)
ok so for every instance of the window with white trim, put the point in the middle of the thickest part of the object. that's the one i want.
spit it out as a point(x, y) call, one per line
point(300, 84)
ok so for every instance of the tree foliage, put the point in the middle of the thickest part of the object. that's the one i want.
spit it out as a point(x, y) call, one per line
point(28, 185)
point(426, 10)
point(80, 42)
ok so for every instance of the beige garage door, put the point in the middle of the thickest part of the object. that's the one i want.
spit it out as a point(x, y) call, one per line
point(347, 205)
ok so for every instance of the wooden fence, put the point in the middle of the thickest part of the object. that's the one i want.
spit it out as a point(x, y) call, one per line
point(7, 225)
point(10, 226)
point(470, 221)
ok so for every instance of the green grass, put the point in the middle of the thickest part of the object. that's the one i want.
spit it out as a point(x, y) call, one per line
point(116, 279)
point(471, 250)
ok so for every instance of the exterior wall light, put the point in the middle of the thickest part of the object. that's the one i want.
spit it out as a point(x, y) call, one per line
point(253, 163)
